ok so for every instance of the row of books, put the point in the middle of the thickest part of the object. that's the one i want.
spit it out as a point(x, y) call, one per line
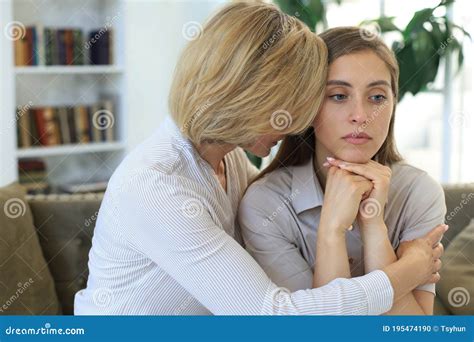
point(63, 46)
point(33, 176)
point(49, 126)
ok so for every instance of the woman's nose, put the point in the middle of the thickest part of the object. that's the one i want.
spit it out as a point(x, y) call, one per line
point(358, 113)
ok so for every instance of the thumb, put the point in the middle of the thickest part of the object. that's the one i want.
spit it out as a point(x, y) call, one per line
point(436, 234)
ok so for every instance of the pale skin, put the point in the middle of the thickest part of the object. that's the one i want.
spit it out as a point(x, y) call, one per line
point(359, 99)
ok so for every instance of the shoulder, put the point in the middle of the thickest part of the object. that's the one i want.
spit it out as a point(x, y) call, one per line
point(164, 156)
point(414, 181)
point(274, 186)
point(267, 200)
point(416, 201)
point(416, 198)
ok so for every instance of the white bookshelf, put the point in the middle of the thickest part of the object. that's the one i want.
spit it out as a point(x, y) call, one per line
point(61, 150)
point(151, 31)
point(72, 70)
point(38, 86)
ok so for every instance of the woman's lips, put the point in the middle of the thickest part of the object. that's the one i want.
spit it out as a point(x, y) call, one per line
point(357, 139)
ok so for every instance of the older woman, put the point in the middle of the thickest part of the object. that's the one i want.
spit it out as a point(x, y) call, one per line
point(165, 240)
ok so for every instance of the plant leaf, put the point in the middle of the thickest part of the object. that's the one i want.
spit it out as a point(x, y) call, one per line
point(416, 23)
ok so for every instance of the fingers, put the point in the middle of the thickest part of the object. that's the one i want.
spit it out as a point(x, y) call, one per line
point(369, 170)
point(332, 170)
point(357, 178)
point(437, 265)
point(438, 251)
point(365, 187)
point(434, 236)
point(435, 277)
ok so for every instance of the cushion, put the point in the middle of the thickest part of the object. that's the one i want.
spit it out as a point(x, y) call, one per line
point(26, 284)
point(460, 209)
point(456, 286)
point(66, 238)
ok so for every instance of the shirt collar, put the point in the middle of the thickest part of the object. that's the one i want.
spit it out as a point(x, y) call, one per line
point(305, 185)
point(171, 129)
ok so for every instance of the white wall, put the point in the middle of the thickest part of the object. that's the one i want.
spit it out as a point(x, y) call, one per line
point(153, 40)
point(7, 134)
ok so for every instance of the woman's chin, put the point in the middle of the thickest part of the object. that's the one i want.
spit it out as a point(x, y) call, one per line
point(260, 152)
point(354, 157)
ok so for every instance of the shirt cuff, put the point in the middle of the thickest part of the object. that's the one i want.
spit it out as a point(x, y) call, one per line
point(427, 287)
point(378, 290)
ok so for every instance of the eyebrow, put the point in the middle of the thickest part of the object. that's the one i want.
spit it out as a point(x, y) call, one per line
point(347, 84)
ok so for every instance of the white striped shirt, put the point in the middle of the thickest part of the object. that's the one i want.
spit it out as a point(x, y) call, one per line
point(166, 243)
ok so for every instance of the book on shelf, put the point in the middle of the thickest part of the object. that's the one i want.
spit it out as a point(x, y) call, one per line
point(63, 46)
point(101, 47)
point(33, 176)
point(52, 126)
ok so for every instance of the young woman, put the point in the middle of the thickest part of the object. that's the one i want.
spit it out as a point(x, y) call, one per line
point(337, 200)
point(165, 241)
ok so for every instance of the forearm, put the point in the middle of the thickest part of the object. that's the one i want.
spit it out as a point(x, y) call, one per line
point(331, 257)
point(378, 253)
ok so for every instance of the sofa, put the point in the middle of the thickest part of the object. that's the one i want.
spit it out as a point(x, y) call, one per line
point(45, 241)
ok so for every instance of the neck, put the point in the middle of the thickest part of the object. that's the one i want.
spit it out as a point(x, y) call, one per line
point(319, 158)
point(214, 154)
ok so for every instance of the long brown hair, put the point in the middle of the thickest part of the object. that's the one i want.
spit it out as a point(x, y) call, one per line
point(340, 41)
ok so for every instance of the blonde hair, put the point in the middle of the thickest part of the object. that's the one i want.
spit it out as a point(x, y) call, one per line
point(251, 68)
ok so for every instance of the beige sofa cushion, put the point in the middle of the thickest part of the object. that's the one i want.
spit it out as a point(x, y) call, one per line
point(456, 286)
point(26, 284)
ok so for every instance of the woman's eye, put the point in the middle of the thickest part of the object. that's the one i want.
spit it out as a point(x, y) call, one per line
point(378, 98)
point(338, 97)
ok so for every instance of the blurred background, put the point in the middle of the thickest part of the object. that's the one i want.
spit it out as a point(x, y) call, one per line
point(84, 82)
